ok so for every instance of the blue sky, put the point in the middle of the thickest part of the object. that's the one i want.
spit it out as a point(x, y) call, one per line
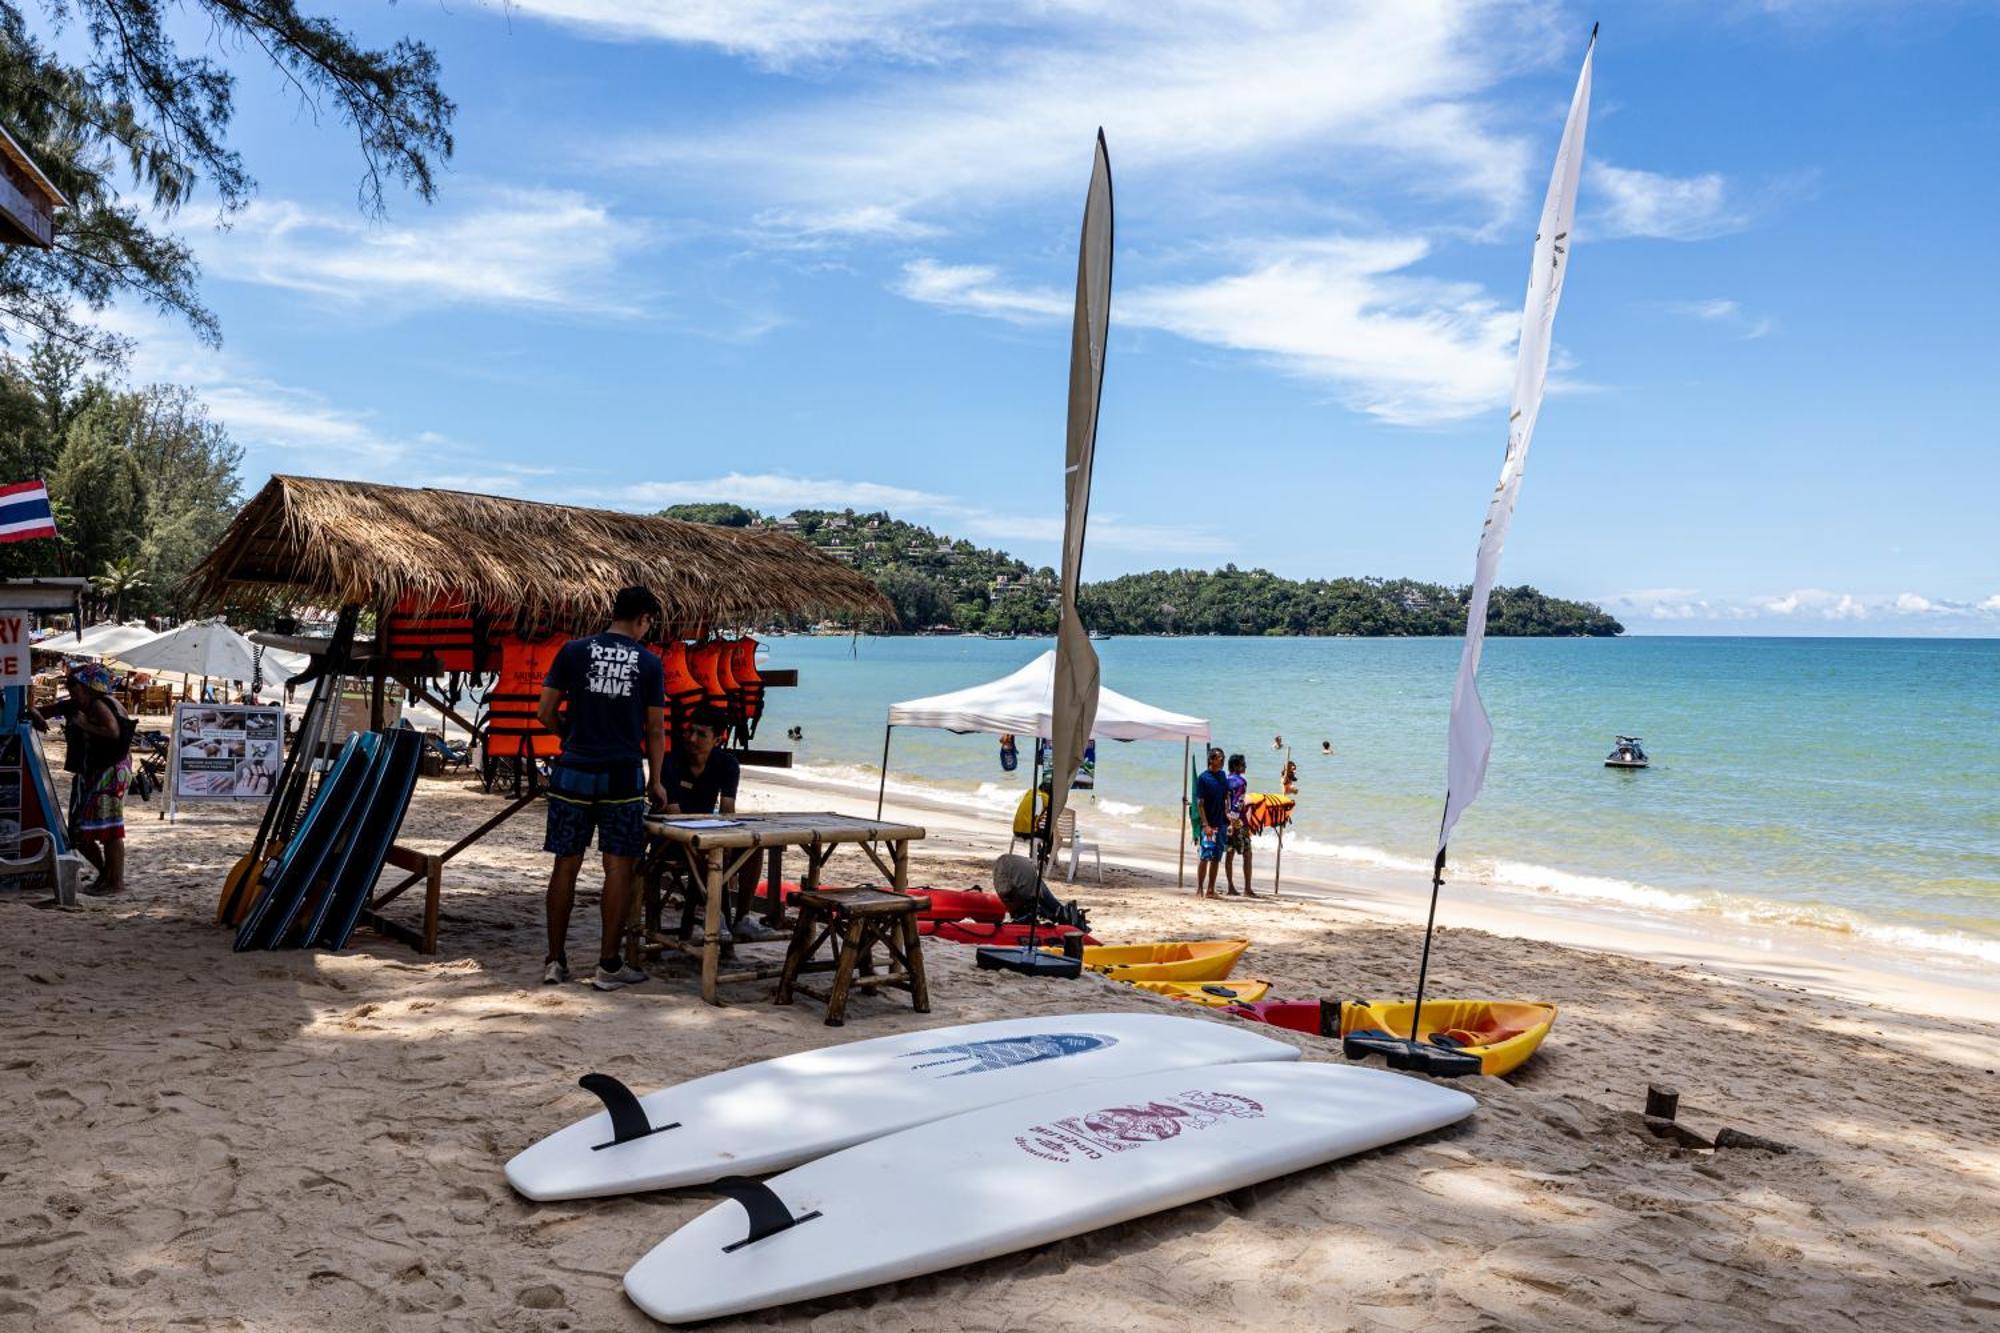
point(794, 255)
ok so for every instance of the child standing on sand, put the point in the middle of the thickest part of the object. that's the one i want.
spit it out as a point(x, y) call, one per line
point(1239, 832)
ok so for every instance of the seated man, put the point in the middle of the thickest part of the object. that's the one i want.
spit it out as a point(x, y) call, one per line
point(701, 779)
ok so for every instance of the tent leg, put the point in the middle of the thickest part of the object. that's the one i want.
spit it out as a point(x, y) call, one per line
point(882, 787)
point(1187, 759)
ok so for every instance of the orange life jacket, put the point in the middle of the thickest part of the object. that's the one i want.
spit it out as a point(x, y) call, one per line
point(684, 692)
point(749, 685)
point(512, 730)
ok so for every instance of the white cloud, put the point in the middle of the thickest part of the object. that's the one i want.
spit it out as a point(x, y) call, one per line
point(1108, 530)
point(777, 493)
point(1402, 348)
point(976, 289)
point(1629, 202)
point(780, 493)
point(806, 229)
point(1203, 90)
point(533, 249)
point(1800, 606)
point(776, 32)
point(1726, 314)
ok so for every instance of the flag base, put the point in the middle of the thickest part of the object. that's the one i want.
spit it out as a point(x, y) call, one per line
point(1030, 962)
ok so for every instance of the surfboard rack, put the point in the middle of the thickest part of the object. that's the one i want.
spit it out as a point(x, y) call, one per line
point(768, 1213)
point(628, 1118)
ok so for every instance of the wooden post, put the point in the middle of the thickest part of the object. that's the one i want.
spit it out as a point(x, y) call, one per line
point(711, 946)
point(1662, 1102)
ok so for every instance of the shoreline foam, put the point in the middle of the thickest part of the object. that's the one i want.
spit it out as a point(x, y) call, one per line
point(1742, 935)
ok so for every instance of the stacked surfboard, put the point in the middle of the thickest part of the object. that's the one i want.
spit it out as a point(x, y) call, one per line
point(1012, 1134)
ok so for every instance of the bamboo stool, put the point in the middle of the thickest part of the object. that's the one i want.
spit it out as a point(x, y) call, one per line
point(859, 919)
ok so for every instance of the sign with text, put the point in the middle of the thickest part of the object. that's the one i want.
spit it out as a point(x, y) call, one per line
point(227, 752)
point(14, 668)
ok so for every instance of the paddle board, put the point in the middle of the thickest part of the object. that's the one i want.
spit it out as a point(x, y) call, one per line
point(768, 1116)
point(362, 863)
point(305, 858)
point(1024, 1173)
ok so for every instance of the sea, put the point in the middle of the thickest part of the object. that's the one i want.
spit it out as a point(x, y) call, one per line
point(1846, 785)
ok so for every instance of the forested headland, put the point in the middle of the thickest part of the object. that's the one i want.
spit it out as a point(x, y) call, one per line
point(938, 582)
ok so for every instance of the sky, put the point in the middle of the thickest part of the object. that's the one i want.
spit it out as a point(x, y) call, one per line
point(822, 254)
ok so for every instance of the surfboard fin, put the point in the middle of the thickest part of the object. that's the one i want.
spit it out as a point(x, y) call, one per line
point(628, 1118)
point(768, 1213)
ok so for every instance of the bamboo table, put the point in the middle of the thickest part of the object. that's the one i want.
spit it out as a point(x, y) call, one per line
point(715, 855)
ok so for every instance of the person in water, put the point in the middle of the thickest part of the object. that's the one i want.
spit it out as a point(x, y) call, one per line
point(1211, 796)
point(1238, 836)
point(613, 751)
point(1326, 747)
point(1277, 742)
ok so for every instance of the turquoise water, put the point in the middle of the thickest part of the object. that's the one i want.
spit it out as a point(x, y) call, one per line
point(1850, 784)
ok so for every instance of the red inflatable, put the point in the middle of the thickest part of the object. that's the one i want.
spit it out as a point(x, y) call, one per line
point(961, 905)
point(1315, 1018)
point(996, 932)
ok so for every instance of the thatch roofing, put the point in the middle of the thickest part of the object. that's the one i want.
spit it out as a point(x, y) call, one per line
point(315, 541)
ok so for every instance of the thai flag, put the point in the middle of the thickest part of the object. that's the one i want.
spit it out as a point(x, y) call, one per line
point(25, 513)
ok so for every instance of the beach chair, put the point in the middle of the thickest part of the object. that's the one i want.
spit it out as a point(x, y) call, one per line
point(452, 754)
point(1066, 837)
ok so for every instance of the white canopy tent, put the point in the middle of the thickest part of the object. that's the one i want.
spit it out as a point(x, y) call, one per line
point(1021, 704)
point(106, 639)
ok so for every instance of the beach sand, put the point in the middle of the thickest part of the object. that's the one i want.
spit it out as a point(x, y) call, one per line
point(195, 1138)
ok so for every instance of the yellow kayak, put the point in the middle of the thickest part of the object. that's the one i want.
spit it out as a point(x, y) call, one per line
point(1180, 960)
point(1217, 993)
point(1499, 1034)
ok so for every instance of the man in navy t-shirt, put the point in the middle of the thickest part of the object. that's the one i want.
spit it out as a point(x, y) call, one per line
point(1211, 798)
point(614, 743)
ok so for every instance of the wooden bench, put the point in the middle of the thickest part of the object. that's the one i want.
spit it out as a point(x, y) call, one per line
point(857, 920)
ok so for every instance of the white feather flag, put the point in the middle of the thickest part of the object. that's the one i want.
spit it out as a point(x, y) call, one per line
point(1471, 734)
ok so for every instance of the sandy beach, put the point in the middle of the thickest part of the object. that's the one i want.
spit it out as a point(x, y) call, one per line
point(195, 1138)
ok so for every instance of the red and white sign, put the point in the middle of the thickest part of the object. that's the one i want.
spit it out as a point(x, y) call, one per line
point(14, 668)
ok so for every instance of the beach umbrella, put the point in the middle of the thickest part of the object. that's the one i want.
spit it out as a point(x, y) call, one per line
point(1470, 732)
point(1073, 706)
point(206, 648)
point(106, 639)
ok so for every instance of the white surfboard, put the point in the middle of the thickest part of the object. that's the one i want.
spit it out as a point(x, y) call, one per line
point(777, 1113)
point(1028, 1172)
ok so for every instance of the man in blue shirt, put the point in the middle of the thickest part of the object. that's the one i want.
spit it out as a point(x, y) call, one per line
point(614, 744)
point(1211, 798)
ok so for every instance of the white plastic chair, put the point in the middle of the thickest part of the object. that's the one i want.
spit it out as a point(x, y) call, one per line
point(1066, 837)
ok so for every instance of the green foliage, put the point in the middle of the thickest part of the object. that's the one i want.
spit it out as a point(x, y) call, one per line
point(935, 580)
point(715, 515)
point(119, 115)
point(1235, 601)
point(118, 580)
point(139, 480)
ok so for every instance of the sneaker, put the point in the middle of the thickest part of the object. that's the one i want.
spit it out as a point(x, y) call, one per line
point(555, 972)
point(626, 975)
point(750, 928)
point(696, 935)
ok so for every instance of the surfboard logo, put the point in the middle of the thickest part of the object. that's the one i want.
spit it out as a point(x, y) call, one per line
point(983, 1057)
point(1116, 1129)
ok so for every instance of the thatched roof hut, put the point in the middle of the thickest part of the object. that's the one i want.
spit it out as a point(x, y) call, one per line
point(314, 541)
